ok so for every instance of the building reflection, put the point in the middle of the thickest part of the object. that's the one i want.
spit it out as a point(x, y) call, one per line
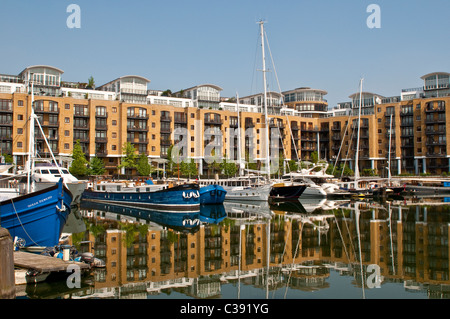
point(269, 248)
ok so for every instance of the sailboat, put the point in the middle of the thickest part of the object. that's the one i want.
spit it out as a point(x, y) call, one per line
point(37, 217)
point(279, 190)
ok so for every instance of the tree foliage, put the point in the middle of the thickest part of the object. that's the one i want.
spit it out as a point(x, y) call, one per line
point(143, 167)
point(97, 166)
point(79, 165)
point(129, 160)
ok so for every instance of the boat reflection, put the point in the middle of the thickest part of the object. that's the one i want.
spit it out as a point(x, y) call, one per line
point(275, 251)
point(180, 221)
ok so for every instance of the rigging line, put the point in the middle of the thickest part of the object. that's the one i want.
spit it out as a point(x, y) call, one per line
point(342, 238)
point(21, 224)
point(342, 143)
point(254, 64)
point(292, 266)
point(348, 151)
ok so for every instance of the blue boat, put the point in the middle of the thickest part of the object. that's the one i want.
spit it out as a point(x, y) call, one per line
point(38, 217)
point(212, 194)
point(184, 197)
point(212, 214)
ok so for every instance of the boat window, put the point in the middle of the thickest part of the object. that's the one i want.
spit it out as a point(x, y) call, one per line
point(54, 171)
point(118, 188)
point(65, 171)
point(44, 171)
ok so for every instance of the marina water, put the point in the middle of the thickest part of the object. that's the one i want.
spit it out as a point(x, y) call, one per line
point(294, 250)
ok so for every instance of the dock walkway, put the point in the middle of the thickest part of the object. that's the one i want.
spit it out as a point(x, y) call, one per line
point(43, 264)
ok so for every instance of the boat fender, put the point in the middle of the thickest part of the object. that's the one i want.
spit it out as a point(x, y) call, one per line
point(191, 194)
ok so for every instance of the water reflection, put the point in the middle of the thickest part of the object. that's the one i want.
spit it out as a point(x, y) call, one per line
point(260, 250)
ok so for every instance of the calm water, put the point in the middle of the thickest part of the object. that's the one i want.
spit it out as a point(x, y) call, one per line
point(304, 250)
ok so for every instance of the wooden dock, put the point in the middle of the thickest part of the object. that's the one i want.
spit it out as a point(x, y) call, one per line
point(44, 264)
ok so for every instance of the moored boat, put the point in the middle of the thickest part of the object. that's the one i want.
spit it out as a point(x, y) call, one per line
point(46, 175)
point(286, 192)
point(212, 194)
point(185, 197)
point(37, 217)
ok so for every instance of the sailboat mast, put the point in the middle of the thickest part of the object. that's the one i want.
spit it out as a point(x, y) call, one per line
point(389, 156)
point(31, 148)
point(357, 140)
point(239, 154)
point(266, 118)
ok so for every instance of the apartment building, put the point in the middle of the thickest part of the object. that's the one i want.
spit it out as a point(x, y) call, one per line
point(124, 110)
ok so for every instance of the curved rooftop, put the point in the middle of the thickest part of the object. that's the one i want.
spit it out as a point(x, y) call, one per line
point(434, 73)
point(42, 66)
point(135, 76)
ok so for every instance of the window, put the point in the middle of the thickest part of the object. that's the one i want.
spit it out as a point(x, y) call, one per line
point(114, 122)
point(114, 147)
point(20, 117)
point(66, 146)
point(114, 134)
point(67, 120)
point(114, 109)
point(20, 131)
point(67, 106)
point(66, 133)
point(19, 144)
point(20, 103)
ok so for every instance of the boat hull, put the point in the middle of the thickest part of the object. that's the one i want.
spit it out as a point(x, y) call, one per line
point(291, 192)
point(426, 190)
point(38, 217)
point(183, 198)
point(76, 188)
point(255, 193)
point(212, 194)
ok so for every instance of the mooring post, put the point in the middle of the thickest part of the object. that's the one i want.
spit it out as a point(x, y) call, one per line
point(7, 277)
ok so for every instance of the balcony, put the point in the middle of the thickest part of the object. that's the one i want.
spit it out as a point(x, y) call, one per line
point(137, 140)
point(166, 118)
point(336, 128)
point(84, 127)
point(249, 123)
point(101, 126)
point(134, 128)
point(46, 110)
point(101, 114)
point(180, 119)
point(213, 121)
point(81, 113)
point(101, 139)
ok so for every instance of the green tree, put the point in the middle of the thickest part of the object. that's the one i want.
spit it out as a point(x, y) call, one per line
point(129, 160)
point(188, 168)
point(79, 165)
point(314, 157)
point(293, 166)
point(143, 167)
point(97, 166)
point(228, 168)
point(91, 82)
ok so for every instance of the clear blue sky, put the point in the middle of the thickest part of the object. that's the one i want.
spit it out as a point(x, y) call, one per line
point(177, 44)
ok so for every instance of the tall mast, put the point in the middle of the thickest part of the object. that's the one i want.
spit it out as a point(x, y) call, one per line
point(31, 149)
point(266, 118)
point(357, 140)
point(389, 156)
point(239, 154)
